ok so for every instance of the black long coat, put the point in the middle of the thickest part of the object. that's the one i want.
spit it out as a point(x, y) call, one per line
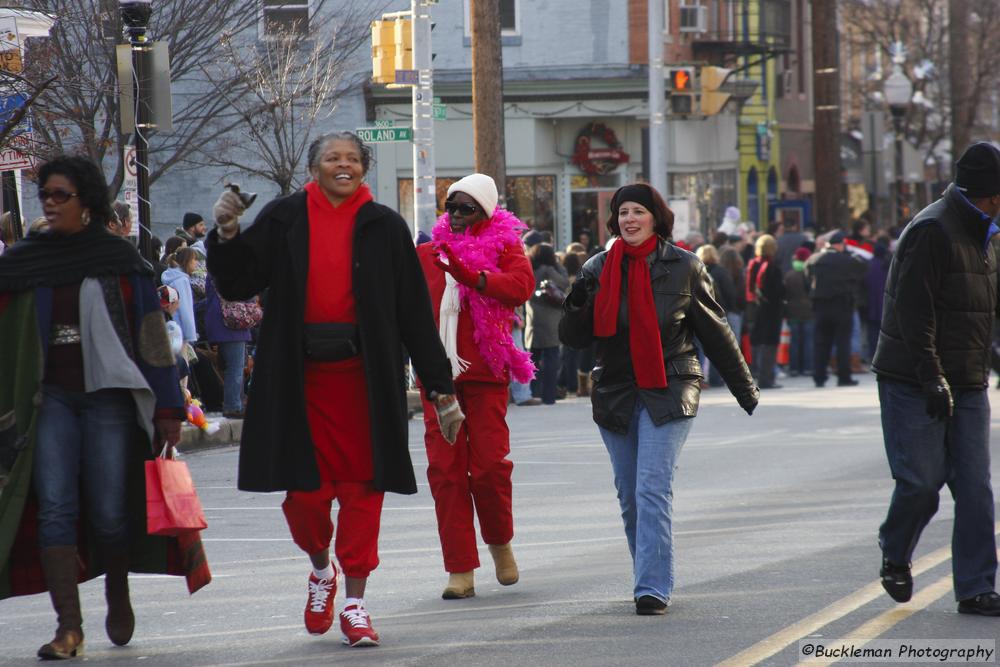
point(394, 311)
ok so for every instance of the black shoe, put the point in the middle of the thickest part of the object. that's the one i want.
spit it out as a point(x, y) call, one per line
point(648, 605)
point(820, 383)
point(897, 581)
point(847, 383)
point(984, 604)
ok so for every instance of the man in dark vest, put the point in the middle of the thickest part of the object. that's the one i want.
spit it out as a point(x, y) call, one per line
point(932, 363)
point(833, 276)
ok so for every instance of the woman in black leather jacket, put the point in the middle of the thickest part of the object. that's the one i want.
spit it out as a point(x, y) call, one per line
point(643, 302)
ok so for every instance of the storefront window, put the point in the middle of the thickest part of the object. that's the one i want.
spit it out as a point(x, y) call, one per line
point(710, 192)
point(532, 199)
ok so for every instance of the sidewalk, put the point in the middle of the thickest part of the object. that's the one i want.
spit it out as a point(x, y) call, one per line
point(193, 438)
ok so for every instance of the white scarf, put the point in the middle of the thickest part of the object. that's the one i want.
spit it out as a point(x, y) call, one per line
point(451, 305)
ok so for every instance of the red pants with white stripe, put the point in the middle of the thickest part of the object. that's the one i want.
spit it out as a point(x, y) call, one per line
point(356, 546)
point(473, 471)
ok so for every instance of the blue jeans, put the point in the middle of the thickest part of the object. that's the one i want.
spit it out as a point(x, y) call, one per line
point(234, 357)
point(519, 391)
point(544, 385)
point(801, 349)
point(925, 454)
point(83, 437)
point(643, 461)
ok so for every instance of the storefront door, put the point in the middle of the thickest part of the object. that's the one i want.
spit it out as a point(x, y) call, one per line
point(590, 198)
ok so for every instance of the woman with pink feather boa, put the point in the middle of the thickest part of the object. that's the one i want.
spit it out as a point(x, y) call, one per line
point(477, 274)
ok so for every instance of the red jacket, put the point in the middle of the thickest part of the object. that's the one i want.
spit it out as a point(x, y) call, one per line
point(512, 285)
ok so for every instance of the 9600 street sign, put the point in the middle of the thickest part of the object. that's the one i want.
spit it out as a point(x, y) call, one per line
point(379, 135)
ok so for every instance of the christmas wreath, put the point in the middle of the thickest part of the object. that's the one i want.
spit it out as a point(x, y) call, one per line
point(598, 161)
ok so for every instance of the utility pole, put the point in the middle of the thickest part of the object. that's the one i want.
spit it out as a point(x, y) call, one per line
point(424, 182)
point(657, 99)
point(487, 93)
point(962, 113)
point(826, 126)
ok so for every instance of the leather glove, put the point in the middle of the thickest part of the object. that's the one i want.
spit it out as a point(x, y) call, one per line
point(582, 292)
point(749, 401)
point(940, 404)
point(461, 272)
point(168, 432)
point(227, 211)
point(450, 416)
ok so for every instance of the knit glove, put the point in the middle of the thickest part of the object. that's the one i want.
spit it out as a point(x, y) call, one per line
point(227, 211)
point(940, 404)
point(450, 418)
point(455, 267)
point(749, 400)
point(168, 432)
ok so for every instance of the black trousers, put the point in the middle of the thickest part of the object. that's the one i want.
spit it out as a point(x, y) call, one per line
point(833, 325)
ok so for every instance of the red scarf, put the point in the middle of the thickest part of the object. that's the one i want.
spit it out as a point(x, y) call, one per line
point(644, 327)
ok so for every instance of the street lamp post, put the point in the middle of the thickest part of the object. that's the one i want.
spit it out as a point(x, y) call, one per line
point(898, 92)
point(135, 16)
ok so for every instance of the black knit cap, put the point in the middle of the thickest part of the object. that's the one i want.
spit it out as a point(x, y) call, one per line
point(978, 171)
point(191, 219)
point(640, 193)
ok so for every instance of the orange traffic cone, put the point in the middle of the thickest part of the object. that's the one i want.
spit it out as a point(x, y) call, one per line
point(784, 344)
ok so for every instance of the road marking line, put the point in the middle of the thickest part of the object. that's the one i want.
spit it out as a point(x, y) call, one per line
point(884, 622)
point(780, 640)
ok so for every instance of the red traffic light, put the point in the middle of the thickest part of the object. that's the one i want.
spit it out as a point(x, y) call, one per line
point(680, 79)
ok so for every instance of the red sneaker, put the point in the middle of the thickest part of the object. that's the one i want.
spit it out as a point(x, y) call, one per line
point(319, 605)
point(356, 625)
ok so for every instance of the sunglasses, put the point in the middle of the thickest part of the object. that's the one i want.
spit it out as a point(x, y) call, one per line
point(461, 209)
point(58, 196)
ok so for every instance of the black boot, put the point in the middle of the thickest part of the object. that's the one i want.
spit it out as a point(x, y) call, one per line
point(120, 622)
point(61, 568)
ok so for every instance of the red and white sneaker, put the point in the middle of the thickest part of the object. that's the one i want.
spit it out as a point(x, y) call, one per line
point(356, 625)
point(319, 605)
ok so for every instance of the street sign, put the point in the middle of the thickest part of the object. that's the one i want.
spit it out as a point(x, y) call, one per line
point(384, 123)
point(381, 135)
point(440, 112)
point(10, 46)
point(17, 153)
point(130, 186)
point(9, 106)
point(409, 77)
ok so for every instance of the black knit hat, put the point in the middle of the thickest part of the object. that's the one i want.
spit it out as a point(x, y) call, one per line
point(191, 219)
point(640, 193)
point(978, 171)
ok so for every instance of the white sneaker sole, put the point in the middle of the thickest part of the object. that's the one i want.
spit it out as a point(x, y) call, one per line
point(364, 641)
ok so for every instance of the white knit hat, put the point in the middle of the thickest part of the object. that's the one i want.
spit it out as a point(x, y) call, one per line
point(480, 187)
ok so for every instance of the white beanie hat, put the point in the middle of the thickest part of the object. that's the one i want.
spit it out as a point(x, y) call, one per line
point(480, 187)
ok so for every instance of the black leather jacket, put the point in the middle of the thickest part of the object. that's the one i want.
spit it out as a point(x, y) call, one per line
point(941, 298)
point(686, 307)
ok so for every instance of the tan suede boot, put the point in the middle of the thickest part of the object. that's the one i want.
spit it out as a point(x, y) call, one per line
point(503, 559)
point(60, 567)
point(583, 384)
point(460, 585)
point(120, 622)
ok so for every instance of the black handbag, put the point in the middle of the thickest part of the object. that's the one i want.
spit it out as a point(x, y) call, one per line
point(331, 341)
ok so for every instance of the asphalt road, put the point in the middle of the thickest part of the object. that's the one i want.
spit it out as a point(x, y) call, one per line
point(775, 518)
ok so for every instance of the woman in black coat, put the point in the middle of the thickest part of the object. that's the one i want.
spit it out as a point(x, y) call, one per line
point(326, 416)
point(768, 284)
point(643, 302)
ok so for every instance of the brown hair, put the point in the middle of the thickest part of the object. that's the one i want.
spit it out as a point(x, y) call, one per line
point(181, 257)
point(663, 217)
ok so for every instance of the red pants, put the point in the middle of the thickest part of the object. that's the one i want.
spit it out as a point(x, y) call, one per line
point(308, 517)
point(473, 470)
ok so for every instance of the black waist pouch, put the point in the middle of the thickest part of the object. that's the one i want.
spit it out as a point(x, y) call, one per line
point(331, 341)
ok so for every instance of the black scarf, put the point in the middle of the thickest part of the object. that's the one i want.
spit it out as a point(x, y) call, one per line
point(48, 259)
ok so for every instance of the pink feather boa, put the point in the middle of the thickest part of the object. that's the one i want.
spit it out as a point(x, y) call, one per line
point(491, 320)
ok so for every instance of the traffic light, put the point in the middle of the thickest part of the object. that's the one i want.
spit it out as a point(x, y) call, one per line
point(383, 52)
point(681, 83)
point(403, 41)
point(712, 79)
